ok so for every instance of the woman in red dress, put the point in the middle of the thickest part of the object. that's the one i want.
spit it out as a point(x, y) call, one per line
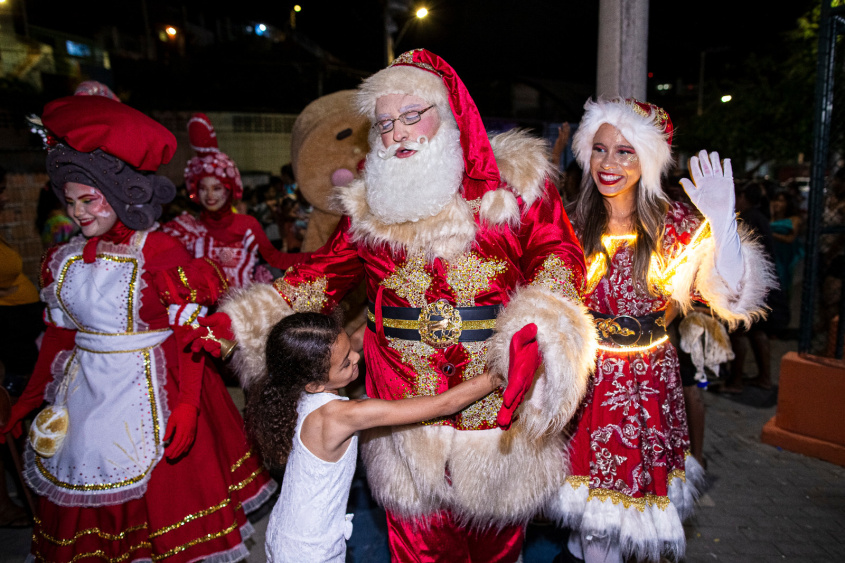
point(633, 480)
point(143, 454)
point(233, 240)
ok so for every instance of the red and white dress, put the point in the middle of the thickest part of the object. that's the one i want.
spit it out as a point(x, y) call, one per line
point(632, 474)
point(113, 355)
point(233, 241)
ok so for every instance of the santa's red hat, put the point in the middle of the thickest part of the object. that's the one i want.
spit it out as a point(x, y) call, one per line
point(423, 74)
point(646, 126)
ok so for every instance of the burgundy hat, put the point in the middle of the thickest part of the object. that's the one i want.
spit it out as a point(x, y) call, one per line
point(87, 123)
point(100, 142)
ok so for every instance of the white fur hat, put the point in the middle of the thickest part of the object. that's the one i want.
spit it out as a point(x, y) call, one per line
point(401, 79)
point(646, 126)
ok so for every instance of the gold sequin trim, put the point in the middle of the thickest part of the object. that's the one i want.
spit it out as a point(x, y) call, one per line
point(189, 518)
point(410, 281)
point(415, 325)
point(101, 554)
point(241, 461)
point(197, 541)
point(88, 531)
point(407, 58)
point(578, 480)
point(184, 278)
point(470, 274)
point(627, 501)
point(556, 277)
point(678, 474)
point(131, 293)
point(305, 297)
point(220, 274)
point(416, 356)
point(247, 481)
point(130, 480)
point(483, 412)
point(193, 317)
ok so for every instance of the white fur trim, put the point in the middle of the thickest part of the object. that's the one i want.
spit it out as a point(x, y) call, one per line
point(648, 140)
point(499, 207)
point(523, 163)
point(643, 535)
point(567, 338)
point(403, 80)
point(447, 235)
point(254, 311)
point(498, 478)
point(744, 306)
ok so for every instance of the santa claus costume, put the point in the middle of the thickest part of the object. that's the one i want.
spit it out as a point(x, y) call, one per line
point(461, 241)
point(233, 240)
point(632, 480)
point(141, 454)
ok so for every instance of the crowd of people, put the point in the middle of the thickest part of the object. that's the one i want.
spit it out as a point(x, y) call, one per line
point(518, 353)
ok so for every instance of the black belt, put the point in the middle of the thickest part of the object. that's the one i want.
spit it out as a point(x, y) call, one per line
point(624, 330)
point(438, 324)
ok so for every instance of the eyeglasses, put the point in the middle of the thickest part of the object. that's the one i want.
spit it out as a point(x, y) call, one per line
point(407, 118)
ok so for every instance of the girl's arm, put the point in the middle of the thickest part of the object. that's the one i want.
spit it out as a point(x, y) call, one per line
point(326, 431)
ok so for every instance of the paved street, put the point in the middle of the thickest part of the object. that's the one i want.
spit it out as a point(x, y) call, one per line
point(763, 504)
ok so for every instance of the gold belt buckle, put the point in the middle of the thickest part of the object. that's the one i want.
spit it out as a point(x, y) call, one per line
point(618, 334)
point(440, 324)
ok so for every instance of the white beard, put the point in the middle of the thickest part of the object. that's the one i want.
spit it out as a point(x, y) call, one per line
point(401, 190)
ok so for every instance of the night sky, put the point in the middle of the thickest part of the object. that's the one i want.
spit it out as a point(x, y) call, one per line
point(540, 39)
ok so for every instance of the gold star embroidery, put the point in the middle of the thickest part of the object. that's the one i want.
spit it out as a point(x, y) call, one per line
point(410, 281)
point(470, 274)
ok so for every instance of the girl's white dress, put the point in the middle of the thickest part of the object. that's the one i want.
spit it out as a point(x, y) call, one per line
point(309, 523)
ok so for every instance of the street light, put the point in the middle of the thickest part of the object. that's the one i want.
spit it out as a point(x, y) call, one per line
point(727, 98)
point(421, 13)
point(388, 24)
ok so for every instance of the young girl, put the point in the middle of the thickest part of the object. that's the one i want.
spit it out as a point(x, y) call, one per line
point(297, 417)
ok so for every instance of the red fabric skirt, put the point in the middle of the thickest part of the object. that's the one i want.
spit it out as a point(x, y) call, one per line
point(194, 508)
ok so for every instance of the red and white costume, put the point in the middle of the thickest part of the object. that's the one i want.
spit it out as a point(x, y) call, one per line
point(456, 488)
point(108, 492)
point(113, 364)
point(632, 479)
point(234, 241)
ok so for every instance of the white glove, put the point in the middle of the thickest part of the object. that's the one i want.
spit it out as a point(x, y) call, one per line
point(712, 192)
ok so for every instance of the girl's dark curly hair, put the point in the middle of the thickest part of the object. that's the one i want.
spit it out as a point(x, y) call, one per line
point(298, 352)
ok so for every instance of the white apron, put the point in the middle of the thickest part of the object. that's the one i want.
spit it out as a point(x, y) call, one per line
point(112, 381)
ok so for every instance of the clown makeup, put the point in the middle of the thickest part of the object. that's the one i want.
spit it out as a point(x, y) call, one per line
point(89, 209)
point(390, 107)
point(213, 195)
point(614, 164)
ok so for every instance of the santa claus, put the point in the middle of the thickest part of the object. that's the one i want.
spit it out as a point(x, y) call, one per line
point(461, 242)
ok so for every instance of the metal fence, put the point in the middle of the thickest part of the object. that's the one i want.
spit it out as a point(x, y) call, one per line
point(823, 294)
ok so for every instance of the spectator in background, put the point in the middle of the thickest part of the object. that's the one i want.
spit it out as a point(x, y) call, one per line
point(787, 244)
point(51, 222)
point(20, 325)
point(288, 181)
point(748, 204)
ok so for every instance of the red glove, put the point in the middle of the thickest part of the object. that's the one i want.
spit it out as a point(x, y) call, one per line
point(212, 328)
point(181, 430)
point(524, 362)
